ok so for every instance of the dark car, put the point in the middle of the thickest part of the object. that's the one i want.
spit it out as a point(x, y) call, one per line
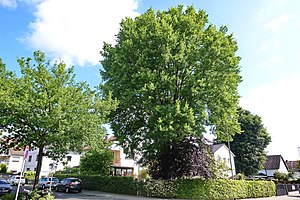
point(5, 187)
point(69, 184)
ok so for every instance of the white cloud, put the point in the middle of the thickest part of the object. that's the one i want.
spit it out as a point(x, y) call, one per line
point(276, 23)
point(269, 44)
point(278, 105)
point(272, 63)
point(74, 30)
point(8, 4)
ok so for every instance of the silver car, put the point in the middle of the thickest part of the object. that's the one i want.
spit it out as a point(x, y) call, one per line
point(46, 182)
point(14, 180)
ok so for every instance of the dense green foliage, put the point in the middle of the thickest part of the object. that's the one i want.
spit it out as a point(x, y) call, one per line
point(182, 189)
point(47, 110)
point(3, 168)
point(284, 176)
point(112, 184)
point(33, 195)
point(96, 162)
point(249, 146)
point(190, 157)
point(174, 74)
point(29, 175)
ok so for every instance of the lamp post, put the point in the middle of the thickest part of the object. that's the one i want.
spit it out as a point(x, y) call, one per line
point(229, 151)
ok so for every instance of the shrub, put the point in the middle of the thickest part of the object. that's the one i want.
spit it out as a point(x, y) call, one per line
point(3, 168)
point(96, 162)
point(29, 175)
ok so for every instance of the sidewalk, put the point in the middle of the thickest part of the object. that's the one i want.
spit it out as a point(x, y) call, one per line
point(291, 196)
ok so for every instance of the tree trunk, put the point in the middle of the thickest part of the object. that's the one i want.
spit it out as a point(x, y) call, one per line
point(39, 166)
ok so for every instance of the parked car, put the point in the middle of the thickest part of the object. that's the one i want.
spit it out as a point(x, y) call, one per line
point(45, 182)
point(14, 180)
point(69, 184)
point(5, 187)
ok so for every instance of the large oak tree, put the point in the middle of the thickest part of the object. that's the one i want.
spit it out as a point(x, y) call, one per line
point(46, 109)
point(175, 74)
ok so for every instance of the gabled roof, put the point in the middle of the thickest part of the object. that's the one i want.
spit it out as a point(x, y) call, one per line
point(273, 162)
point(215, 147)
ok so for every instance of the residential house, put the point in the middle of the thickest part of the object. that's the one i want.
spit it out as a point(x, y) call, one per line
point(294, 166)
point(222, 153)
point(13, 160)
point(274, 163)
point(71, 160)
point(122, 166)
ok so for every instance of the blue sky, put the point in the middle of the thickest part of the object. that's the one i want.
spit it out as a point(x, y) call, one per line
point(267, 33)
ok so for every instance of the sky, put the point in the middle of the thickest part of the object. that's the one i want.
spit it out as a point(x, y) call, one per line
point(267, 33)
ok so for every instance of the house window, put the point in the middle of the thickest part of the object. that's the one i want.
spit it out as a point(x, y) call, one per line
point(28, 169)
point(29, 158)
point(35, 169)
point(15, 159)
point(69, 158)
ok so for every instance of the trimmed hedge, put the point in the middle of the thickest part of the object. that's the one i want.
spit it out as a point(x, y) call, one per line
point(111, 184)
point(182, 189)
point(208, 189)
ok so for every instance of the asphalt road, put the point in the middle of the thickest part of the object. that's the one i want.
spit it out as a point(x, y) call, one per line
point(93, 195)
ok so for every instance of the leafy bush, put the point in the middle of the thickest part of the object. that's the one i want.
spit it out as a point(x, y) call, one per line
point(96, 162)
point(29, 175)
point(213, 189)
point(33, 195)
point(3, 168)
point(68, 170)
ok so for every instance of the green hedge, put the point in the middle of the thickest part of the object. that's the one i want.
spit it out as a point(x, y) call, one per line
point(111, 184)
point(208, 189)
point(182, 189)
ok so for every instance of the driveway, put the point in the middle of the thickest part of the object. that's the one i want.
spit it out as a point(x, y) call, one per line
point(93, 195)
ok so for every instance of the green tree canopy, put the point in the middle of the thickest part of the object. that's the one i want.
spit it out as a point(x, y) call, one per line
point(249, 146)
point(174, 74)
point(97, 162)
point(46, 109)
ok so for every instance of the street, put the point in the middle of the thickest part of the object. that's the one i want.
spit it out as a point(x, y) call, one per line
point(93, 195)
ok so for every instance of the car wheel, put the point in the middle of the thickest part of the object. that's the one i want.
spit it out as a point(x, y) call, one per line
point(79, 191)
point(23, 184)
point(67, 190)
point(56, 189)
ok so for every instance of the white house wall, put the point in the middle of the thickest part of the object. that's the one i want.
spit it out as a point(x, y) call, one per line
point(45, 170)
point(282, 167)
point(223, 153)
point(15, 163)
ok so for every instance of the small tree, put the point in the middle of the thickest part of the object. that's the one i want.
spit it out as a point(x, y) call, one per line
point(220, 169)
point(97, 162)
point(3, 168)
point(47, 110)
